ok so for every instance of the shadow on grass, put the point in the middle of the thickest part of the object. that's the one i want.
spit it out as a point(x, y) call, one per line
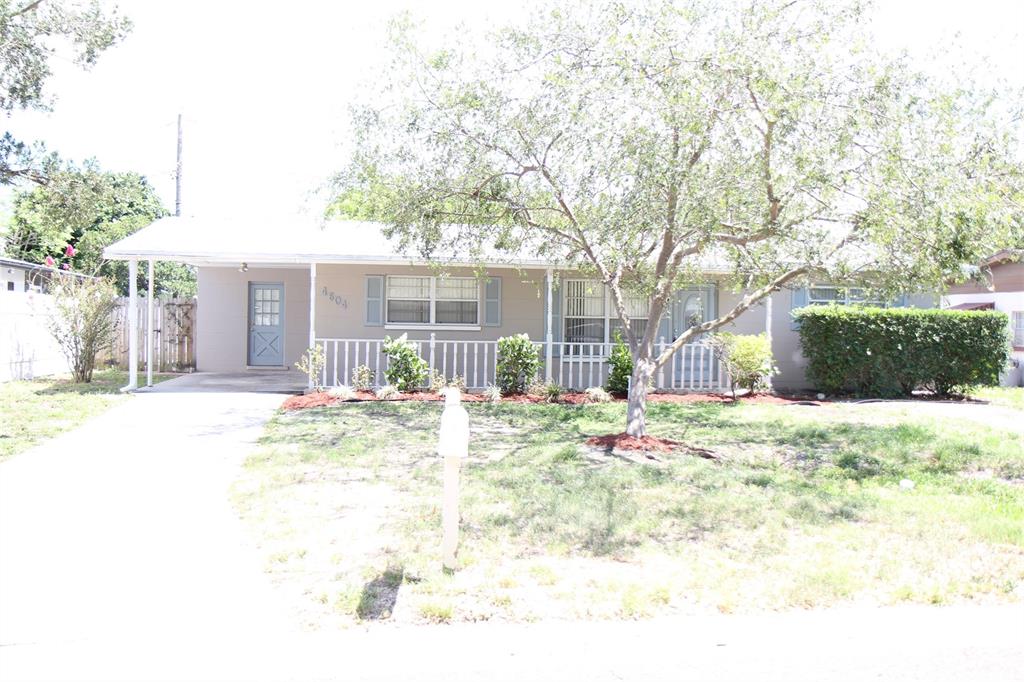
point(377, 601)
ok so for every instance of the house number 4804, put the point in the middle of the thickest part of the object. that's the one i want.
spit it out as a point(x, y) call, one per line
point(334, 298)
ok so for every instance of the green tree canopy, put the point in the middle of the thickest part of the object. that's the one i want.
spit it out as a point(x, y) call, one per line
point(641, 141)
point(31, 31)
point(89, 209)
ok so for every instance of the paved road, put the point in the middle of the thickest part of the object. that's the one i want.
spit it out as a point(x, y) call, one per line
point(121, 559)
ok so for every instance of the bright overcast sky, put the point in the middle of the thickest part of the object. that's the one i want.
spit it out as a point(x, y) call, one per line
point(264, 87)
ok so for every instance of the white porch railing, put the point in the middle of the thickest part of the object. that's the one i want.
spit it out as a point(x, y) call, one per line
point(693, 367)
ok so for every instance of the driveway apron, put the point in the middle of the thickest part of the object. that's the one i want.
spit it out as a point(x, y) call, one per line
point(119, 538)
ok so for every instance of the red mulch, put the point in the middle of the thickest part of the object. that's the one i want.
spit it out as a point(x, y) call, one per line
point(299, 402)
point(621, 441)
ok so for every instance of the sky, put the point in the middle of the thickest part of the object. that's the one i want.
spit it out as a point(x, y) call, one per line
point(264, 87)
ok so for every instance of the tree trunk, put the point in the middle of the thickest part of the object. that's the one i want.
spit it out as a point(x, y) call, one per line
point(636, 407)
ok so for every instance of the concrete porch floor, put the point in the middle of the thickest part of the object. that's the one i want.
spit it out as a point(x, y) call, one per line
point(251, 381)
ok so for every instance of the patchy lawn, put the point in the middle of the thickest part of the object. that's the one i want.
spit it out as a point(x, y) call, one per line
point(1010, 396)
point(32, 411)
point(802, 508)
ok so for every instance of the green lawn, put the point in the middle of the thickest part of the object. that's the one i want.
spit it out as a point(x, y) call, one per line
point(1009, 396)
point(32, 411)
point(803, 509)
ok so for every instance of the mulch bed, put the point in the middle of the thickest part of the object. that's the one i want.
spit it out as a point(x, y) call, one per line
point(300, 402)
point(622, 441)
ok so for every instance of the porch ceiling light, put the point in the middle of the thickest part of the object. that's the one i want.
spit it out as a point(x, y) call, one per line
point(244, 267)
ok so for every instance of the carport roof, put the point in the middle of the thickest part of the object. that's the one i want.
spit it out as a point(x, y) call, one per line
point(211, 241)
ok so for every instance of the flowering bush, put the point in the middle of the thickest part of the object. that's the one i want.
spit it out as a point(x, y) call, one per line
point(406, 369)
point(311, 363)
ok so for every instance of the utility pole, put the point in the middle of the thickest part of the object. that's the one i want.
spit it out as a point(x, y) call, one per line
point(177, 175)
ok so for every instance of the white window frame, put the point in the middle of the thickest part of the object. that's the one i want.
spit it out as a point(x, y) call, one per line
point(1017, 327)
point(433, 299)
point(846, 299)
point(608, 317)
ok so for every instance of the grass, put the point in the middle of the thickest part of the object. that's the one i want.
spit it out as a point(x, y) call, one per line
point(32, 411)
point(1009, 396)
point(802, 510)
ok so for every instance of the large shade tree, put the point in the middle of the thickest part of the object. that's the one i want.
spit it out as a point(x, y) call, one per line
point(32, 34)
point(640, 141)
point(87, 208)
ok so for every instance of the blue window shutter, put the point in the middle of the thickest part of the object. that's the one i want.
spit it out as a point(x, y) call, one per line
point(492, 302)
point(900, 301)
point(799, 300)
point(374, 300)
point(556, 316)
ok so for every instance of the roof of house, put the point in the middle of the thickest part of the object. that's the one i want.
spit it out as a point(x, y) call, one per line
point(22, 264)
point(296, 240)
point(277, 241)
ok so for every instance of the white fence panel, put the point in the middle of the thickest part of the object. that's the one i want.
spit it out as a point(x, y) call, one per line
point(27, 349)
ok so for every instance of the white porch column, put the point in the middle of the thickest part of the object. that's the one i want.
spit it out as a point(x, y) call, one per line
point(312, 311)
point(548, 341)
point(768, 331)
point(133, 326)
point(149, 324)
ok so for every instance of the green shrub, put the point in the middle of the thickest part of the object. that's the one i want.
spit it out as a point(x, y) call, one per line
point(890, 352)
point(620, 366)
point(406, 369)
point(747, 358)
point(550, 391)
point(518, 363)
point(362, 378)
point(311, 363)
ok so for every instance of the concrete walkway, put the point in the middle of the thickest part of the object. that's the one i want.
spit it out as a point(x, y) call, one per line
point(122, 559)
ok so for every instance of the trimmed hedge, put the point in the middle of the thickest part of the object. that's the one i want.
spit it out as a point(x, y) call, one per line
point(893, 351)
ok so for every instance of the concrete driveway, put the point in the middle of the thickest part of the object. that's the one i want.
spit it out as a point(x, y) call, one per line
point(122, 559)
point(119, 537)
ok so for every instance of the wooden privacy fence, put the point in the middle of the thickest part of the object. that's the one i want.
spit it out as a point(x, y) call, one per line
point(577, 366)
point(174, 335)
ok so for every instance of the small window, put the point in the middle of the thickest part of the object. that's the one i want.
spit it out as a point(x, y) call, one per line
point(590, 317)
point(827, 294)
point(1018, 328)
point(433, 300)
point(10, 286)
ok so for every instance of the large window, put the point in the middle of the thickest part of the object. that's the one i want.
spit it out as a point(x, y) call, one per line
point(827, 294)
point(590, 317)
point(433, 300)
point(1018, 328)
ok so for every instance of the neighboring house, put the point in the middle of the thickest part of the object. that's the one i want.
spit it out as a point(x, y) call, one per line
point(267, 293)
point(999, 285)
point(18, 276)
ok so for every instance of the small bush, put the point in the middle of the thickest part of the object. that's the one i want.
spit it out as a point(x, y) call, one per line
point(889, 352)
point(343, 392)
point(620, 366)
point(82, 320)
point(492, 394)
point(406, 369)
point(438, 382)
point(548, 390)
point(362, 378)
point(747, 358)
point(387, 392)
point(518, 363)
point(596, 394)
point(311, 363)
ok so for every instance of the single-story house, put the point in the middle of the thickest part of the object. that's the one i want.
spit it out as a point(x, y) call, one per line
point(18, 276)
point(267, 293)
point(998, 285)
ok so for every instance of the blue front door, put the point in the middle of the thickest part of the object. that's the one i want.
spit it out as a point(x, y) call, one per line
point(266, 324)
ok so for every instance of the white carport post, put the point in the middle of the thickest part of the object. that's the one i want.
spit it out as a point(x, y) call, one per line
point(768, 332)
point(549, 338)
point(149, 325)
point(133, 325)
point(312, 313)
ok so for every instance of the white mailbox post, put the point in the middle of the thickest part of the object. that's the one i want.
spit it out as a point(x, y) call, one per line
point(453, 446)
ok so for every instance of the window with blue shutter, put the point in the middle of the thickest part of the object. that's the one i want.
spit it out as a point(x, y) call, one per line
point(799, 300)
point(492, 302)
point(375, 300)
